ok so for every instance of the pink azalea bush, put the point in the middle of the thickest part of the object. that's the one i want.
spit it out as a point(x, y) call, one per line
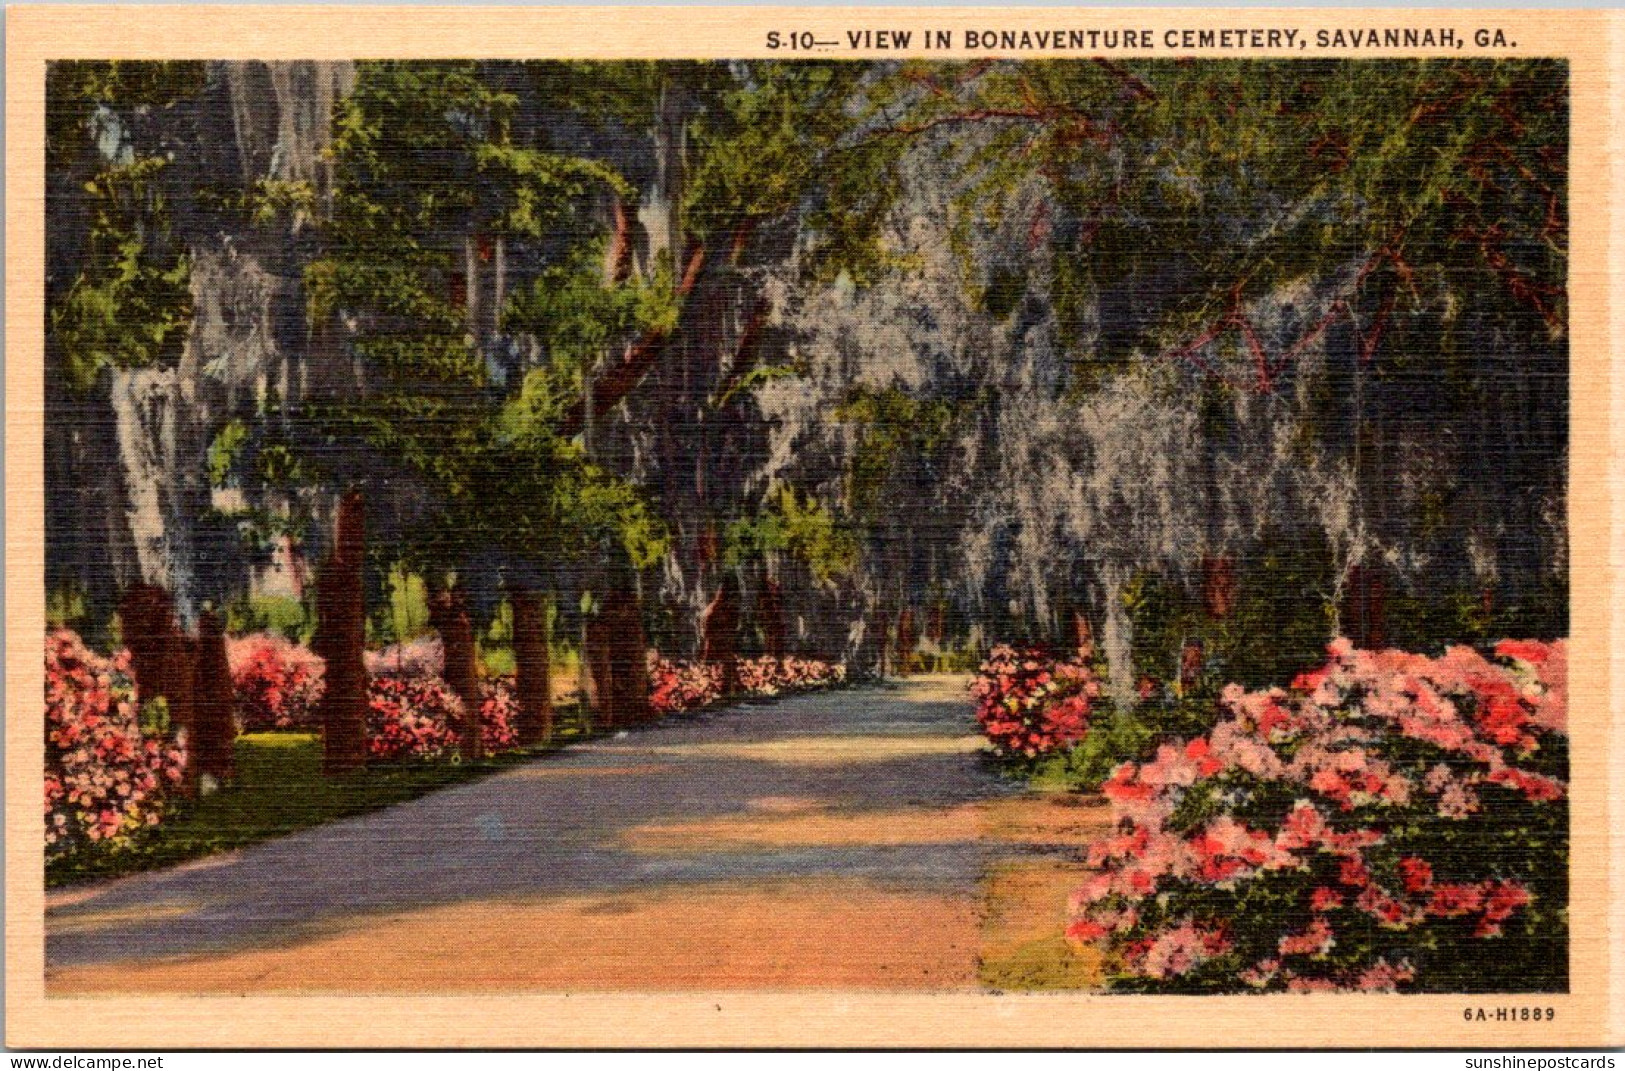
point(769, 676)
point(421, 718)
point(1030, 704)
point(104, 778)
point(277, 683)
point(1391, 822)
point(675, 687)
point(499, 714)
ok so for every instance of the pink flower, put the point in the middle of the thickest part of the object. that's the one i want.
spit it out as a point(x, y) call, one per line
point(1315, 941)
point(1384, 977)
point(1325, 898)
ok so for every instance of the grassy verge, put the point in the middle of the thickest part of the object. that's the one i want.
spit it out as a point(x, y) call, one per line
point(279, 789)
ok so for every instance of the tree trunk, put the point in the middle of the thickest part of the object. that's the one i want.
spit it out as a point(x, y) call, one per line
point(720, 629)
point(1218, 586)
point(628, 653)
point(159, 651)
point(906, 640)
point(162, 659)
point(341, 637)
point(770, 612)
point(448, 614)
point(1363, 612)
point(600, 676)
point(880, 625)
point(532, 668)
point(213, 743)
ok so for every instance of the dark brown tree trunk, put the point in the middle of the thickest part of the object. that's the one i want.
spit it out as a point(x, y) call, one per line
point(214, 733)
point(1364, 608)
point(163, 661)
point(721, 635)
point(600, 678)
point(770, 612)
point(341, 637)
point(532, 668)
point(1218, 586)
point(906, 640)
point(160, 653)
point(448, 614)
point(628, 652)
point(880, 623)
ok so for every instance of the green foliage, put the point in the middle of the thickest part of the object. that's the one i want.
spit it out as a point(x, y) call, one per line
point(425, 162)
point(779, 140)
point(154, 717)
point(75, 88)
point(224, 449)
point(129, 305)
point(1114, 737)
point(1279, 624)
point(132, 305)
point(497, 661)
point(1229, 180)
point(408, 605)
point(282, 614)
point(65, 608)
point(429, 177)
point(578, 317)
point(806, 530)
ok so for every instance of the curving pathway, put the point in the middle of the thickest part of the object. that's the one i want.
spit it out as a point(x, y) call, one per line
point(848, 839)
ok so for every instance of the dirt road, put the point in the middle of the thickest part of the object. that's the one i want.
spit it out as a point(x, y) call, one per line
point(849, 839)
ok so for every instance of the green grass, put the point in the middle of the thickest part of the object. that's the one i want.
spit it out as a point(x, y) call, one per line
point(1046, 963)
point(279, 789)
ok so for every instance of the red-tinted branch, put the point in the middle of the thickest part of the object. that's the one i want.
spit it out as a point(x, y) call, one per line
point(617, 382)
point(620, 243)
point(1136, 85)
point(745, 352)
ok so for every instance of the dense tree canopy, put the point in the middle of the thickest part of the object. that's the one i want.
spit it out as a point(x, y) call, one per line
point(1225, 354)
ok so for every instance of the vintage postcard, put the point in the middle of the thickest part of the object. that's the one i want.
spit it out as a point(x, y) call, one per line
point(765, 527)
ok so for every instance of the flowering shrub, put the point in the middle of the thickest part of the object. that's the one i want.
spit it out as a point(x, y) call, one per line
point(422, 657)
point(680, 686)
point(1392, 822)
point(104, 779)
point(768, 676)
point(277, 683)
point(1030, 704)
point(420, 717)
point(499, 714)
point(411, 717)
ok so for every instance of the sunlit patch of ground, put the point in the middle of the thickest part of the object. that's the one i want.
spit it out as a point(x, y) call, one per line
point(542, 771)
point(1052, 820)
point(826, 933)
point(1023, 932)
point(819, 750)
point(1025, 901)
point(88, 921)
